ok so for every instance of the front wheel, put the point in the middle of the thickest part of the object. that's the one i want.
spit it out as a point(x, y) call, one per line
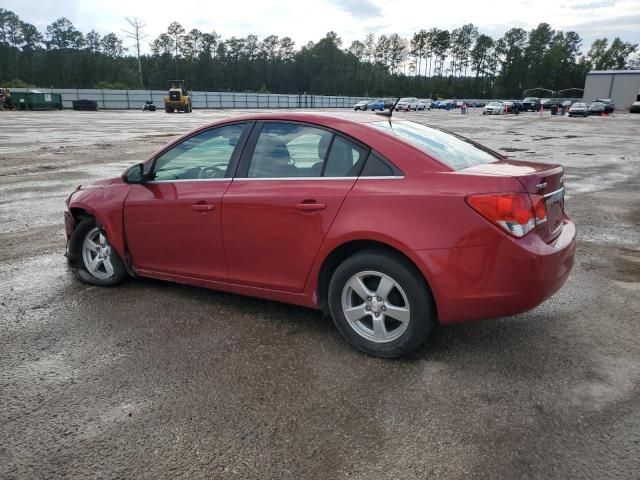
point(381, 304)
point(94, 260)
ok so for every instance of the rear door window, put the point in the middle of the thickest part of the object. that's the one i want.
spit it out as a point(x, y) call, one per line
point(286, 150)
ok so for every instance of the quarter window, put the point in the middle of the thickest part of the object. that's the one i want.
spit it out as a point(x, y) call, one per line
point(376, 167)
point(204, 156)
point(345, 159)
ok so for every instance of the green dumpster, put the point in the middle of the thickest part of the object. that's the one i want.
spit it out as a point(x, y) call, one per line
point(36, 100)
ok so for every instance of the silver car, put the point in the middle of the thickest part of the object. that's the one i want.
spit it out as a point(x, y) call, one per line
point(363, 105)
point(579, 109)
point(492, 108)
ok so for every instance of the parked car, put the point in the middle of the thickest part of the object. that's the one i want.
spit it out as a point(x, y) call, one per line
point(148, 106)
point(609, 107)
point(566, 104)
point(548, 103)
point(596, 108)
point(635, 107)
point(493, 108)
point(443, 104)
point(531, 104)
point(512, 106)
point(422, 106)
point(90, 105)
point(406, 104)
point(279, 206)
point(363, 105)
point(579, 109)
point(379, 104)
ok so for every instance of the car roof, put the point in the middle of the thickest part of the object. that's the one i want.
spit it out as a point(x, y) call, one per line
point(321, 118)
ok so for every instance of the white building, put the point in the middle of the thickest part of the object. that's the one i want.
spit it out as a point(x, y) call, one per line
point(621, 86)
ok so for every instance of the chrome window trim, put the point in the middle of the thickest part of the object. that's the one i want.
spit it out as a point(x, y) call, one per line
point(181, 180)
point(382, 177)
point(320, 178)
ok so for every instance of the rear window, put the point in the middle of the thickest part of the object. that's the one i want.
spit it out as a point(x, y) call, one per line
point(452, 150)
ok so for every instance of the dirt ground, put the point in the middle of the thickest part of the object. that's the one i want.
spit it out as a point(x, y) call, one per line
point(155, 380)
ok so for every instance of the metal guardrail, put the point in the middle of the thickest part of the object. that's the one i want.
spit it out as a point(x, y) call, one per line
point(135, 99)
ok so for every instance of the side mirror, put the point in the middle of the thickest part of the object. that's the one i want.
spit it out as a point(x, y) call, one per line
point(135, 174)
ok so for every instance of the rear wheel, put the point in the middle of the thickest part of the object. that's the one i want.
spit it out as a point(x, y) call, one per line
point(94, 260)
point(168, 109)
point(381, 304)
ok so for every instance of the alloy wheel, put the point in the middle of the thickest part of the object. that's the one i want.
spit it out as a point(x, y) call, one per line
point(375, 306)
point(96, 254)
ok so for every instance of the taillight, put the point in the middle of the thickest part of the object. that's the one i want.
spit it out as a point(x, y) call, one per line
point(517, 213)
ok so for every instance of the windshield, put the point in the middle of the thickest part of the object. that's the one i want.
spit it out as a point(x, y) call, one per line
point(597, 104)
point(530, 99)
point(494, 104)
point(452, 150)
point(579, 105)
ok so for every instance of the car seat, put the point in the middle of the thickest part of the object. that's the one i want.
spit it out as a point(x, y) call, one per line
point(271, 159)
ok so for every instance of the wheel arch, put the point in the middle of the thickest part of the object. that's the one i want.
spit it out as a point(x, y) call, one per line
point(109, 220)
point(341, 252)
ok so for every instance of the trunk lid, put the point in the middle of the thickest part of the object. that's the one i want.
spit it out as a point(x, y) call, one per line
point(537, 179)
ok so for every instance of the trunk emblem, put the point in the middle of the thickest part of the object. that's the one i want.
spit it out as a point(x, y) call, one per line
point(540, 186)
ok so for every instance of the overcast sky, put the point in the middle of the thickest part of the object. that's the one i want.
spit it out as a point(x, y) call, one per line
point(305, 21)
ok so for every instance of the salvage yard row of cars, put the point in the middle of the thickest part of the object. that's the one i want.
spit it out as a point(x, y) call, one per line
point(574, 107)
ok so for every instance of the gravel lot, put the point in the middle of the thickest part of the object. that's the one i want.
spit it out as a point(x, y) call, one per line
point(155, 380)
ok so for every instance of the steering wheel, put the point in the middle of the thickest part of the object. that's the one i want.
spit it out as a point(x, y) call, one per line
point(211, 172)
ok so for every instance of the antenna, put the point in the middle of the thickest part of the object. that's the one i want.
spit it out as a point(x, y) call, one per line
point(388, 113)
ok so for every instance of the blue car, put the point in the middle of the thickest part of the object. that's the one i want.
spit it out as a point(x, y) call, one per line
point(378, 105)
point(443, 104)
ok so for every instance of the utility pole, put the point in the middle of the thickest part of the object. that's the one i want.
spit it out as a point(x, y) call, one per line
point(137, 35)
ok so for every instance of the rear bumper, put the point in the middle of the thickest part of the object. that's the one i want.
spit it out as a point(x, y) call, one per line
point(511, 277)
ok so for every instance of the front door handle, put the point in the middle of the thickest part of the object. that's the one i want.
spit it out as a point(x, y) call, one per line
point(202, 207)
point(311, 206)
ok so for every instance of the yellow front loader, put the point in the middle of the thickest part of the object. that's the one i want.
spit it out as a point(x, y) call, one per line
point(178, 99)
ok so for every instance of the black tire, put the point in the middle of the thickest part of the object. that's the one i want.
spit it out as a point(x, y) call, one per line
point(422, 319)
point(168, 109)
point(77, 262)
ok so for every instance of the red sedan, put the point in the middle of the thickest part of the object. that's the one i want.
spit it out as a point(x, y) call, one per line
point(390, 226)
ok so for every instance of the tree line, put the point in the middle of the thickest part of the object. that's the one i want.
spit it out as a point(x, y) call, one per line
point(450, 63)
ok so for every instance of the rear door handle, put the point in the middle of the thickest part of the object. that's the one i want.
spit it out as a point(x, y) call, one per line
point(202, 207)
point(311, 206)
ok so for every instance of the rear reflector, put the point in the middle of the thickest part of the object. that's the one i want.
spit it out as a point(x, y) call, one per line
point(516, 213)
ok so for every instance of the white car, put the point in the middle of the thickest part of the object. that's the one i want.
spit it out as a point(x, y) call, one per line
point(492, 108)
point(423, 105)
point(410, 103)
point(363, 105)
